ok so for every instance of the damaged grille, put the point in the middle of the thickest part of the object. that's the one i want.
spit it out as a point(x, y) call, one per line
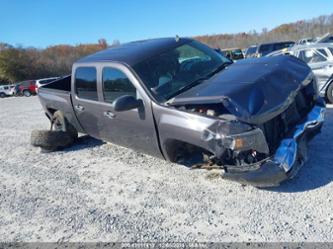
point(279, 127)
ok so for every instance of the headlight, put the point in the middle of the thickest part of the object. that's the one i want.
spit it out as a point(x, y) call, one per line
point(250, 140)
point(236, 136)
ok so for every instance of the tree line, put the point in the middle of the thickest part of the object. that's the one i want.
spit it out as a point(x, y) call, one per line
point(21, 63)
point(286, 32)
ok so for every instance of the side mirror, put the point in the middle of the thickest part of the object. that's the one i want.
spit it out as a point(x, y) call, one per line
point(125, 103)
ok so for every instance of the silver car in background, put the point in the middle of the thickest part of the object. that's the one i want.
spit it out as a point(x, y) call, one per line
point(319, 57)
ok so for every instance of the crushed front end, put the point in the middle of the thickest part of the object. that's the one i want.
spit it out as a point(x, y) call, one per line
point(251, 163)
point(266, 154)
point(266, 110)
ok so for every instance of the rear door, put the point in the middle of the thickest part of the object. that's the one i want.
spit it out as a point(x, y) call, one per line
point(86, 98)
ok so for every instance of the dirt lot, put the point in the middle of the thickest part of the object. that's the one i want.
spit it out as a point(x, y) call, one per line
point(96, 191)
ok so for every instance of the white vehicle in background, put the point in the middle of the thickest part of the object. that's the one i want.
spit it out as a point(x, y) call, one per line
point(319, 56)
point(7, 90)
point(306, 41)
point(44, 81)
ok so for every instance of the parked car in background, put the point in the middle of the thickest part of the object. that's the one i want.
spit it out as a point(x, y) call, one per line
point(233, 54)
point(44, 81)
point(6, 90)
point(319, 57)
point(267, 48)
point(25, 88)
point(306, 41)
point(180, 100)
point(251, 51)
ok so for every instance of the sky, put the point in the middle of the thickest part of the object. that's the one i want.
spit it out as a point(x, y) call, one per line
point(41, 23)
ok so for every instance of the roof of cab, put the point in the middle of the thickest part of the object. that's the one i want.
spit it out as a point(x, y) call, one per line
point(133, 52)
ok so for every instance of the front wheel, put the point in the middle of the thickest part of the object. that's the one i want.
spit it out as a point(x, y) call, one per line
point(2, 95)
point(329, 93)
point(26, 93)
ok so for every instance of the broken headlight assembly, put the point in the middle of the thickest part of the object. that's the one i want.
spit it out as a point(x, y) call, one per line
point(235, 142)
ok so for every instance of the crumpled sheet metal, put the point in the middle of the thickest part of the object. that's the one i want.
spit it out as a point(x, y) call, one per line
point(254, 90)
point(286, 154)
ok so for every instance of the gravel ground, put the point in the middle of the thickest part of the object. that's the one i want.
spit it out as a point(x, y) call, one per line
point(96, 191)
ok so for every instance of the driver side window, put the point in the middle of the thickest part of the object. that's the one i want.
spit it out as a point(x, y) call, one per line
point(116, 84)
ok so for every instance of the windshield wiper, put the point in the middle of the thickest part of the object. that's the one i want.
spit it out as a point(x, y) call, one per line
point(199, 80)
point(219, 68)
point(188, 86)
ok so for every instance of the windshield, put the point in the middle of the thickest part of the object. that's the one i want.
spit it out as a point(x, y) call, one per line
point(175, 70)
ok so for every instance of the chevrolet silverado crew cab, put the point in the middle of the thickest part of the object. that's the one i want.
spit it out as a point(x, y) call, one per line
point(180, 100)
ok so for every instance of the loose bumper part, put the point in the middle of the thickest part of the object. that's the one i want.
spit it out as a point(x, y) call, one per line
point(288, 158)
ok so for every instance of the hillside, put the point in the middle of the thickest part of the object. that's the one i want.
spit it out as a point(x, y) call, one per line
point(290, 31)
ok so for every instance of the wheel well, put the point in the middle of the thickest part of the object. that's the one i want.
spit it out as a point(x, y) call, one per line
point(51, 110)
point(329, 84)
point(185, 153)
point(326, 90)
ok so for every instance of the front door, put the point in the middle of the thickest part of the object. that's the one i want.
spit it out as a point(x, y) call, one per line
point(133, 128)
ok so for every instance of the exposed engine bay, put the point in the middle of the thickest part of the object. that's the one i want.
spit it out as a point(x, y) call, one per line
point(237, 143)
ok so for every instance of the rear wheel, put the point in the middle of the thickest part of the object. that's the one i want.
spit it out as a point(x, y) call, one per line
point(26, 93)
point(2, 95)
point(51, 140)
point(60, 123)
point(329, 93)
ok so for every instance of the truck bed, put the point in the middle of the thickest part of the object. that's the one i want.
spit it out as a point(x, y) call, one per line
point(56, 96)
point(63, 84)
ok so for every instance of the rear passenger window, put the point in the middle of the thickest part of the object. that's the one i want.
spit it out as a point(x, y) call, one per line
point(116, 84)
point(85, 83)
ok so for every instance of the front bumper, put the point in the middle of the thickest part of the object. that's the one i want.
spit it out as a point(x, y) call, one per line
point(288, 158)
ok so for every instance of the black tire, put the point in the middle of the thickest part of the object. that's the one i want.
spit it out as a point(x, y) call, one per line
point(60, 123)
point(26, 93)
point(2, 95)
point(51, 140)
point(329, 93)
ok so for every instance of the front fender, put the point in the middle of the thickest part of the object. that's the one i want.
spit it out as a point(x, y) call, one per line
point(180, 126)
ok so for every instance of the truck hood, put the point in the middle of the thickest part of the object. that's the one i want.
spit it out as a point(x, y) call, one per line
point(254, 90)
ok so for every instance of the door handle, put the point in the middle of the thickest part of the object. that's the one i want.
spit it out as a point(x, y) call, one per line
point(109, 114)
point(79, 108)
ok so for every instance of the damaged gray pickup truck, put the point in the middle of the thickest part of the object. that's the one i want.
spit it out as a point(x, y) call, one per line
point(180, 100)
